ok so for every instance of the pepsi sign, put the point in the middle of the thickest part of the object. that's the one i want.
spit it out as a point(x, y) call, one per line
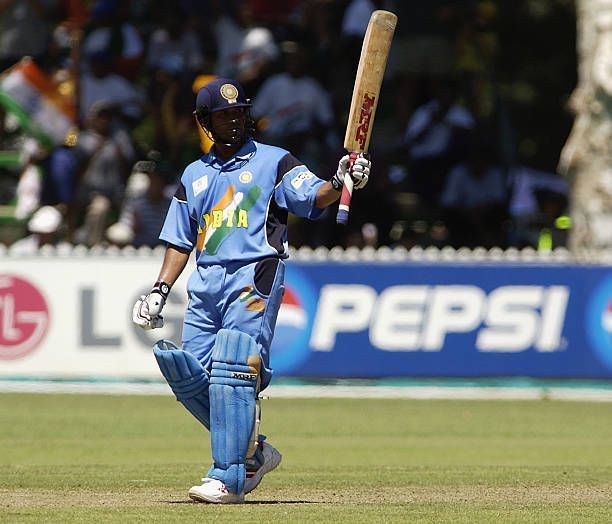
point(290, 345)
point(417, 319)
point(599, 322)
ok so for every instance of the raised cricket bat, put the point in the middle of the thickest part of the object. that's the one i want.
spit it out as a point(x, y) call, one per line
point(372, 62)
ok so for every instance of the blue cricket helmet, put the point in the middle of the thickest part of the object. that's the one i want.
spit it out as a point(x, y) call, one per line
point(220, 94)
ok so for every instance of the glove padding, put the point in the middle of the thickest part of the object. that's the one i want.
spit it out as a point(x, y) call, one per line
point(147, 310)
point(360, 172)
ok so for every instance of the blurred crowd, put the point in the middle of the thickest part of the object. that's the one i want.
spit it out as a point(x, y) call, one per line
point(445, 171)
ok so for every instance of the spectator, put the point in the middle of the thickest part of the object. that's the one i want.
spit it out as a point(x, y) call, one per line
point(294, 111)
point(48, 178)
point(101, 84)
point(175, 132)
point(168, 123)
point(60, 178)
point(435, 138)
point(245, 51)
point(323, 20)
point(25, 29)
point(422, 43)
point(112, 33)
point(552, 223)
point(275, 12)
point(30, 180)
point(476, 50)
point(356, 17)
point(175, 46)
point(474, 201)
point(96, 50)
point(538, 199)
point(44, 228)
point(75, 14)
point(142, 216)
point(104, 153)
point(421, 50)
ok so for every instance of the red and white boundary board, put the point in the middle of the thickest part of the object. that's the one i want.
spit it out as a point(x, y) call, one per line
point(71, 317)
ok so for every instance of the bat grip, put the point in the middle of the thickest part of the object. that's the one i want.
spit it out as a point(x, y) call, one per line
point(347, 193)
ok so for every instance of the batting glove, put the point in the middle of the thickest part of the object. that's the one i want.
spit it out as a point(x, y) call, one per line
point(147, 310)
point(360, 172)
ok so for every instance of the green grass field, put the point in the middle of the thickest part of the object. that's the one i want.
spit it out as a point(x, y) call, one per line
point(73, 458)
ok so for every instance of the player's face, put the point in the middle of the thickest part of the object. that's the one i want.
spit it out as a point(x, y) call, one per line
point(228, 126)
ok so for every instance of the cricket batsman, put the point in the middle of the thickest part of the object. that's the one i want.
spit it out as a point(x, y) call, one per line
point(231, 206)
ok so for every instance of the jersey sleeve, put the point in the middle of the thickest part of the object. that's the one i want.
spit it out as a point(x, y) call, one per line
point(296, 188)
point(179, 228)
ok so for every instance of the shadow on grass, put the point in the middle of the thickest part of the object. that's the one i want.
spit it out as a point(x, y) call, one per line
point(281, 502)
point(256, 502)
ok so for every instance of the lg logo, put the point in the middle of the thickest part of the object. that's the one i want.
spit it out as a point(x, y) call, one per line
point(24, 317)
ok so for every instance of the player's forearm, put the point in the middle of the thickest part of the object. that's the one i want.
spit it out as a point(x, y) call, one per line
point(175, 261)
point(326, 195)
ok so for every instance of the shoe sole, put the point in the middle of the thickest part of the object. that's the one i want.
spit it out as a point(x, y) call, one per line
point(201, 498)
point(268, 466)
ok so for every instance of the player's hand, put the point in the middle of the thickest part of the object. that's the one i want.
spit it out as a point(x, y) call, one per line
point(360, 172)
point(147, 310)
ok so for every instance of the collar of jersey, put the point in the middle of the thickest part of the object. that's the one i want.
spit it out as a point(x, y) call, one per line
point(246, 152)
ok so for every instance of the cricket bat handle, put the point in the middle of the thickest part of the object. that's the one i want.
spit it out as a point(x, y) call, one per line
point(347, 193)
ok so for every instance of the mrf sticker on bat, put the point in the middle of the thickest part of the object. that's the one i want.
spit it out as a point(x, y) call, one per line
point(365, 117)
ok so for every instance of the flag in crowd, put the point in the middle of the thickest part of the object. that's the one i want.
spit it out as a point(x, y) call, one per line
point(41, 109)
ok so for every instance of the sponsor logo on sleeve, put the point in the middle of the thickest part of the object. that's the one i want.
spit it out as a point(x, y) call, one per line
point(300, 178)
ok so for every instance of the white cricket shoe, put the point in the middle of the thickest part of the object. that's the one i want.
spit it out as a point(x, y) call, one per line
point(215, 492)
point(265, 459)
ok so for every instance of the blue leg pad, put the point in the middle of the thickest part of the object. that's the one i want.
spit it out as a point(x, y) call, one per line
point(187, 378)
point(236, 366)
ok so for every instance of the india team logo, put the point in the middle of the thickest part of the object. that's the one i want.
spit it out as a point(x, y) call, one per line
point(599, 322)
point(245, 177)
point(24, 317)
point(229, 92)
point(290, 346)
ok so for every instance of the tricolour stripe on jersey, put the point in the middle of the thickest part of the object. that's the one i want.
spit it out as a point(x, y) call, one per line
point(214, 241)
point(205, 232)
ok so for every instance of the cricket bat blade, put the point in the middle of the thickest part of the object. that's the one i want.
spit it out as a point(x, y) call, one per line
point(366, 91)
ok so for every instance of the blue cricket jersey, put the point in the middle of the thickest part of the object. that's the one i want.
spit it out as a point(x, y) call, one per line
point(237, 210)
